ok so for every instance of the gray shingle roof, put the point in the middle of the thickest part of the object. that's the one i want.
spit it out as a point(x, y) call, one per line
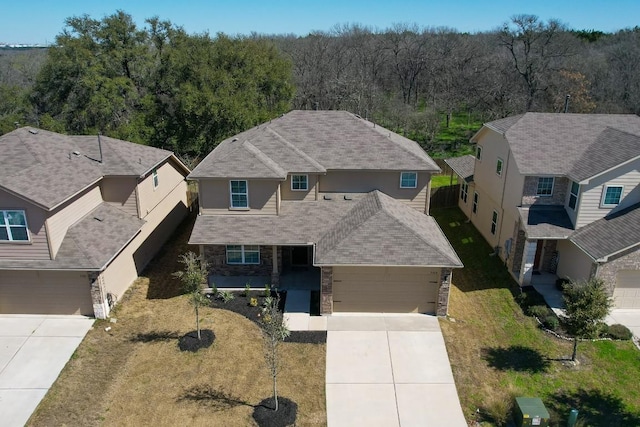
point(463, 166)
point(370, 229)
point(546, 222)
point(316, 141)
point(89, 244)
point(45, 170)
point(562, 144)
point(611, 234)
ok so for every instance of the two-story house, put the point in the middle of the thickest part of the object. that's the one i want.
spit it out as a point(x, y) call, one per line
point(559, 194)
point(329, 193)
point(80, 217)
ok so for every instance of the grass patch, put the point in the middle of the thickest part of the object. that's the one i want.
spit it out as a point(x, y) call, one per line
point(443, 180)
point(135, 374)
point(497, 352)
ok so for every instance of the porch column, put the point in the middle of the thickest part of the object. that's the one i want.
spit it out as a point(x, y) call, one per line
point(98, 297)
point(326, 290)
point(275, 274)
point(529, 260)
point(443, 292)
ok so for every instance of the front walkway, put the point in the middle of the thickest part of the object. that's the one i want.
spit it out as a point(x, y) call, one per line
point(389, 370)
point(545, 284)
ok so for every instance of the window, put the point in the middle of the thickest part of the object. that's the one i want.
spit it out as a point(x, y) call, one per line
point(243, 254)
point(13, 226)
point(408, 180)
point(475, 202)
point(299, 182)
point(494, 222)
point(573, 195)
point(499, 167)
point(545, 186)
point(612, 195)
point(156, 180)
point(239, 194)
point(479, 152)
point(464, 189)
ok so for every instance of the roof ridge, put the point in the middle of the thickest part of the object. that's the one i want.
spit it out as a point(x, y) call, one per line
point(286, 142)
point(266, 160)
point(396, 143)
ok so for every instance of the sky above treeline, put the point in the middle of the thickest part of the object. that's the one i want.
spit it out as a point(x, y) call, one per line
point(39, 21)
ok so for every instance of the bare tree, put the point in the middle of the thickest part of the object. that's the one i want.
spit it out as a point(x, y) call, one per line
point(275, 331)
point(193, 278)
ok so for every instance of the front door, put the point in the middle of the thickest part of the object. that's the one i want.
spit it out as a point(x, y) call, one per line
point(538, 256)
point(300, 256)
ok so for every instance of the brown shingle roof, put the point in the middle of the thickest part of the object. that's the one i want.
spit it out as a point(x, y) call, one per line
point(463, 166)
point(45, 170)
point(546, 222)
point(316, 141)
point(562, 144)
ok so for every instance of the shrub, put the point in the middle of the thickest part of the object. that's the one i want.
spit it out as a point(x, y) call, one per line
point(619, 332)
point(253, 302)
point(226, 296)
point(560, 283)
point(247, 289)
point(551, 322)
point(539, 311)
point(267, 291)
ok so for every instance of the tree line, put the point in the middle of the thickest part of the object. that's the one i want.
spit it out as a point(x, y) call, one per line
point(161, 86)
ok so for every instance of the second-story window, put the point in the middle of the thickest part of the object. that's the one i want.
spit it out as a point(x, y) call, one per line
point(299, 182)
point(573, 195)
point(612, 195)
point(479, 152)
point(13, 226)
point(156, 180)
point(239, 194)
point(545, 186)
point(499, 167)
point(408, 180)
point(475, 202)
point(464, 190)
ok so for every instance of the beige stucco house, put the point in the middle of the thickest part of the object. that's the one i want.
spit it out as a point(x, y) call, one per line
point(559, 195)
point(332, 198)
point(80, 217)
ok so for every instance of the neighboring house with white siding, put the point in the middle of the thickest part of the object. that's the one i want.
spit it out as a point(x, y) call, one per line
point(560, 194)
point(80, 217)
point(329, 201)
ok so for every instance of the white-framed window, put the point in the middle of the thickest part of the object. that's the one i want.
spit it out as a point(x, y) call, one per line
point(479, 152)
point(464, 190)
point(13, 226)
point(499, 167)
point(494, 222)
point(299, 182)
point(239, 191)
point(573, 195)
point(408, 179)
point(156, 180)
point(545, 186)
point(611, 195)
point(243, 254)
point(475, 202)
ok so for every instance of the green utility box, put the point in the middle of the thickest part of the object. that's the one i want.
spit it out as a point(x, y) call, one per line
point(530, 411)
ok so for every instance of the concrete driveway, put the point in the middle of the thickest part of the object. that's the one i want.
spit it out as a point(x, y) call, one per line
point(33, 351)
point(389, 370)
point(628, 318)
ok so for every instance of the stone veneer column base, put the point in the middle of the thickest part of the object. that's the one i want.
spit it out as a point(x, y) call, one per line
point(98, 297)
point(443, 292)
point(326, 290)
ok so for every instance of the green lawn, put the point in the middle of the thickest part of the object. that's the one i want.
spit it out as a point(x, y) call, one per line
point(443, 180)
point(498, 353)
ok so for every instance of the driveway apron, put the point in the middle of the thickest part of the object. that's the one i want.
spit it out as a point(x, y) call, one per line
point(389, 370)
point(33, 351)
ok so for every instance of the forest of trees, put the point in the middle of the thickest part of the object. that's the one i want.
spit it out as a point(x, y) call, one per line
point(159, 85)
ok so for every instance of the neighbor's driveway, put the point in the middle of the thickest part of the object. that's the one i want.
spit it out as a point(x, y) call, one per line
point(629, 318)
point(33, 351)
point(389, 370)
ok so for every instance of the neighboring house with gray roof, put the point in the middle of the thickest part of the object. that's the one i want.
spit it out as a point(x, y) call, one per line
point(333, 200)
point(559, 194)
point(80, 217)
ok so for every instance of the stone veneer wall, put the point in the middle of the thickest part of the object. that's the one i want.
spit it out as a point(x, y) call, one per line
point(443, 292)
point(607, 272)
point(98, 296)
point(530, 189)
point(518, 252)
point(550, 247)
point(216, 256)
point(326, 290)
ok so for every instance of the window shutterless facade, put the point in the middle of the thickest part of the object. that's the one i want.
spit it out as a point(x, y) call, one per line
point(573, 195)
point(13, 226)
point(156, 180)
point(408, 179)
point(611, 195)
point(475, 202)
point(239, 193)
point(243, 254)
point(494, 222)
point(545, 186)
point(479, 152)
point(499, 167)
point(464, 190)
point(299, 182)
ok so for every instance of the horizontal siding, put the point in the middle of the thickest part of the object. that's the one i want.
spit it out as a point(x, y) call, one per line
point(310, 194)
point(121, 193)
point(70, 213)
point(215, 197)
point(169, 176)
point(38, 247)
point(591, 195)
point(572, 262)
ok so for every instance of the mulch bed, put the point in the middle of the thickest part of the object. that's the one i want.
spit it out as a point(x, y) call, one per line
point(190, 341)
point(265, 416)
point(240, 304)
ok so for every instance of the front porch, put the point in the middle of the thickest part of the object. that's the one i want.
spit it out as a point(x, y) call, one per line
point(545, 284)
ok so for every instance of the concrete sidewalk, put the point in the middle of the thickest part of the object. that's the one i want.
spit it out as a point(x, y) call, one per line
point(33, 351)
point(389, 370)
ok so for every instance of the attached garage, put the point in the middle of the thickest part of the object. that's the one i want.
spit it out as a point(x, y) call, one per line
point(385, 289)
point(45, 292)
point(627, 291)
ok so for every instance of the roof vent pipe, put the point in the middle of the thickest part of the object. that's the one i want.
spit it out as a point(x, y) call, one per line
point(566, 103)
